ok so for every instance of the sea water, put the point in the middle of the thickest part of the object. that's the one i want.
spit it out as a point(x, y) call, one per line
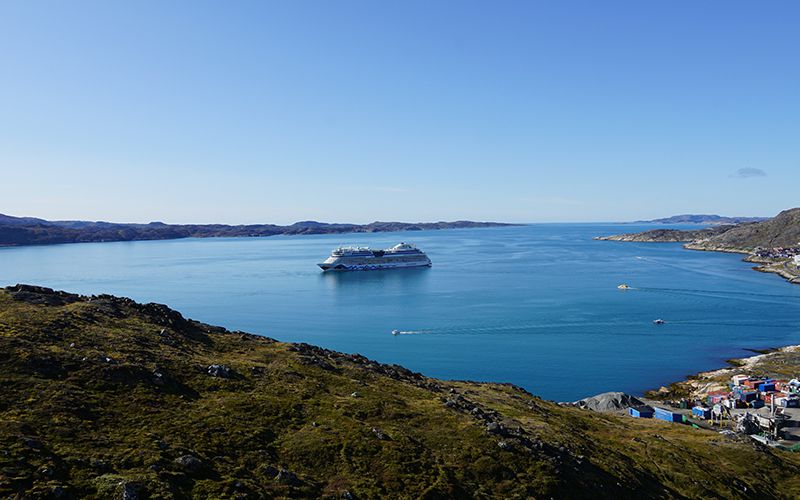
point(534, 305)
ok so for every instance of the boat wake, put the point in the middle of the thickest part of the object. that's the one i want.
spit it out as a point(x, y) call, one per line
point(409, 332)
point(723, 294)
point(616, 328)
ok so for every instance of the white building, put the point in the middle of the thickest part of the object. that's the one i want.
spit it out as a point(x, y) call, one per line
point(797, 260)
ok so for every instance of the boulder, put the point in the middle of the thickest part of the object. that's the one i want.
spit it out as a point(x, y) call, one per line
point(190, 463)
point(287, 477)
point(609, 401)
point(380, 434)
point(221, 371)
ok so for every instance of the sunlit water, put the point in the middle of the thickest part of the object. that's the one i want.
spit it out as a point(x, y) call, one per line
point(534, 305)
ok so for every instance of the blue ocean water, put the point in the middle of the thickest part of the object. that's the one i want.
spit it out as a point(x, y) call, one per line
point(534, 305)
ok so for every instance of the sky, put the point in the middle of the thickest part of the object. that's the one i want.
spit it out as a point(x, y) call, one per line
point(349, 111)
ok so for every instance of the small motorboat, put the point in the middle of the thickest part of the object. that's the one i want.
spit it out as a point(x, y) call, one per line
point(624, 286)
point(395, 332)
point(658, 321)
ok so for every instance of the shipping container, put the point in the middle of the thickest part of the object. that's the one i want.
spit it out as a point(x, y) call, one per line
point(747, 396)
point(669, 416)
point(701, 412)
point(641, 412)
point(738, 379)
point(790, 402)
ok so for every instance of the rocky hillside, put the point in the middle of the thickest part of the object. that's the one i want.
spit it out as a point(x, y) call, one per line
point(783, 230)
point(668, 235)
point(16, 231)
point(102, 397)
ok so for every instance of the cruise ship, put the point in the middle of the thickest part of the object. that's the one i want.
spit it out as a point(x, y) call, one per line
point(365, 259)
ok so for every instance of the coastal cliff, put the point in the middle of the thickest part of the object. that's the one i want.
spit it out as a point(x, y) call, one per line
point(18, 231)
point(103, 397)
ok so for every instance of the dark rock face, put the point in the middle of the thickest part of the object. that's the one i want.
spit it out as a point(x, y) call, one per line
point(42, 295)
point(221, 371)
point(131, 491)
point(380, 434)
point(287, 477)
point(190, 463)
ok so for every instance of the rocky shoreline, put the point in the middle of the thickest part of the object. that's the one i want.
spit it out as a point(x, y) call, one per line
point(771, 243)
point(779, 362)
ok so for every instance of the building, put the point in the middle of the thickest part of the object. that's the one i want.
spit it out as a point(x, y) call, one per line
point(701, 412)
point(796, 260)
point(641, 412)
point(669, 416)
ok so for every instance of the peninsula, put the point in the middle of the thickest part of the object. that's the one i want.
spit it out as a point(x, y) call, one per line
point(104, 397)
point(17, 231)
point(773, 243)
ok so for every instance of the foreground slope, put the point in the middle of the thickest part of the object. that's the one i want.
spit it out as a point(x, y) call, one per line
point(104, 397)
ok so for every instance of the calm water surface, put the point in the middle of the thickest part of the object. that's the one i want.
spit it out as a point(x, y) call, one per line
point(533, 305)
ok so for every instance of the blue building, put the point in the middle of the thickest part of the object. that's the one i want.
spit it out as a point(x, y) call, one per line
point(641, 412)
point(669, 416)
point(701, 412)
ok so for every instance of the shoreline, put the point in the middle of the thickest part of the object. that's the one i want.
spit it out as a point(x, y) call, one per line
point(701, 384)
point(54, 233)
point(698, 385)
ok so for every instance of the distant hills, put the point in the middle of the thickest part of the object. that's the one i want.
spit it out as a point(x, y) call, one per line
point(16, 231)
point(668, 235)
point(759, 240)
point(783, 230)
point(701, 219)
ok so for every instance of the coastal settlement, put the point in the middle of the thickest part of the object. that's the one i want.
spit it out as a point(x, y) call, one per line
point(758, 396)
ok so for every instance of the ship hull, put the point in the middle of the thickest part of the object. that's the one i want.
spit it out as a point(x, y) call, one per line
point(342, 267)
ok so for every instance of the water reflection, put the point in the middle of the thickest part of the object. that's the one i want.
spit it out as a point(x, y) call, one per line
point(402, 280)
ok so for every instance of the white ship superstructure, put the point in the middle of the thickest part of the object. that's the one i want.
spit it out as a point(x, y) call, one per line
point(365, 259)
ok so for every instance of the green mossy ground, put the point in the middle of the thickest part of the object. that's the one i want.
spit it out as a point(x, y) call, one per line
point(102, 398)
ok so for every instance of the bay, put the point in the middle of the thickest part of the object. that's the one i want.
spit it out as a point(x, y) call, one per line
point(534, 305)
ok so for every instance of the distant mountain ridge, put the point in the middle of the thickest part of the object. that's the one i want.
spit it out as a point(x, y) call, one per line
point(17, 231)
point(701, 219)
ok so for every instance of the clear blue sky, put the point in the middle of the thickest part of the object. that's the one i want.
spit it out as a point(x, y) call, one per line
point(242, 112)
